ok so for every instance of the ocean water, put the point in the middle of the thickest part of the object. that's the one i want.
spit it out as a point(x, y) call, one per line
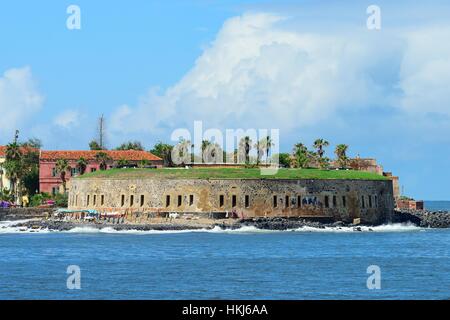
point(437, 205)
point(241, 264)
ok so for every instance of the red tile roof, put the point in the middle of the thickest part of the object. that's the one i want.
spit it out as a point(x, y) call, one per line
point(131, 155)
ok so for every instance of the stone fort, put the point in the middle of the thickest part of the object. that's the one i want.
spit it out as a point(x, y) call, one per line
point(371, 201)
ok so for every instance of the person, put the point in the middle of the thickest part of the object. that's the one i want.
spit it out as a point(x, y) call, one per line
point(25, 201)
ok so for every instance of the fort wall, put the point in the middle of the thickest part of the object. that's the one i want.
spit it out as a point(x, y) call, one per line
point(340, 200)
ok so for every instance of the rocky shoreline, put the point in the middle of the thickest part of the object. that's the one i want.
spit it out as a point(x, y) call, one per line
point(420, 218)
point(423, 218)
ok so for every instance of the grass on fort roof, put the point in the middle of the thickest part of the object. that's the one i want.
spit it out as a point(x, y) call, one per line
point(232, 173)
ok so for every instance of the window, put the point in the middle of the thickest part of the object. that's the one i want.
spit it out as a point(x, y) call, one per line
point(122, 200)
point(87, 200)
point(102, 200)
point(247, 201)
point(179, 200)
point(327, 202)
point(275, 201)
point(334, 202)
point(221, 200)
point(76, 200)
point(299, 201)
point(376, 201)
point(344, 201)
point(93, 169)
point(370, 201)
point(95, 200)
point(54, 190)
point(363, 205)
point(142, 200)
point(54, 172)
point(233, 200)
point(191, 199)
point(73, 172)
point(286, 200)
point(167, 200)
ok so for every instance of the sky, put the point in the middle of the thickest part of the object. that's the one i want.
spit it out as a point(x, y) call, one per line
point(312, 69)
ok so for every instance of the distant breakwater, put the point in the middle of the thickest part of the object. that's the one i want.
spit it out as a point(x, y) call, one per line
point(423, 218)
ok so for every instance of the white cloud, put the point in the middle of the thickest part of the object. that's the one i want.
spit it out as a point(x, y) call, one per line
point(260, 73)
point(19, 99)
point(67, 119)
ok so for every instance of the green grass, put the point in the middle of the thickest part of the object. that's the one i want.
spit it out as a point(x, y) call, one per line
point(231, 173)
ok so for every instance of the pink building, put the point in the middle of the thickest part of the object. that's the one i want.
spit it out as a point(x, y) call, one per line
point(50, 180)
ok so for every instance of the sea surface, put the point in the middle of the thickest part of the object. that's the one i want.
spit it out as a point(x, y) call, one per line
point(306, 263)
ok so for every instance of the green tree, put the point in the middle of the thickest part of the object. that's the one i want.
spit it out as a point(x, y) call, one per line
point(164, 151)
point(319, 145)
point(103, 158)
point(14, 166)
point(143, 163)
point(94, 145)
point(284, 160)
point(81, 165)
point(122, 163)
point(62, 166)
point(131, 145)
point(301, 155)
point(341, 154)
point(245, 145)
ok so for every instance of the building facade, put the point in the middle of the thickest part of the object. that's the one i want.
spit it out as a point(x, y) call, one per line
point(50, 180)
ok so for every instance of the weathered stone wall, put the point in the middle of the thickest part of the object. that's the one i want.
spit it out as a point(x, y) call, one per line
point(24, 213)
point(337, 199)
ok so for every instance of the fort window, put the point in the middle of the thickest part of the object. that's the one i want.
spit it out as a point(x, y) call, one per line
point(191, 199)
point(76, 200)
point(344, 201)
point(53, 172)
point(95, 200)
point(122, 200)
point(286, 200)
point(362, 202)
point(179, 200)
point(334, 202)
point(102, 200)
point(221, 200)
point(167, 200)
point(93, 169)
point(376, 201)
point(131, 200)
point(370, 201)
point(247, 201)
point(233, 200)
point(327, 202)
point(87, 200)
point(142, 200)
point(275, 201)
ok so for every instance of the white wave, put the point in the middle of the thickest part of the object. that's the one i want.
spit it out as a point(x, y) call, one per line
point(396, 227)
point(10, 227)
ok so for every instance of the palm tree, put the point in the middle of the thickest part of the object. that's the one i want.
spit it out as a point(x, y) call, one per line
point(269, 144)
point(62, 166)
point(301, 155)
point(245, 144)
point(14, 166)
point(102, 158)
point(341, 154)
point(81, 165)
point(319, 144)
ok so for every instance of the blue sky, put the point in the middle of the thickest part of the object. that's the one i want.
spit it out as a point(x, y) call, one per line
point(310, 68)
